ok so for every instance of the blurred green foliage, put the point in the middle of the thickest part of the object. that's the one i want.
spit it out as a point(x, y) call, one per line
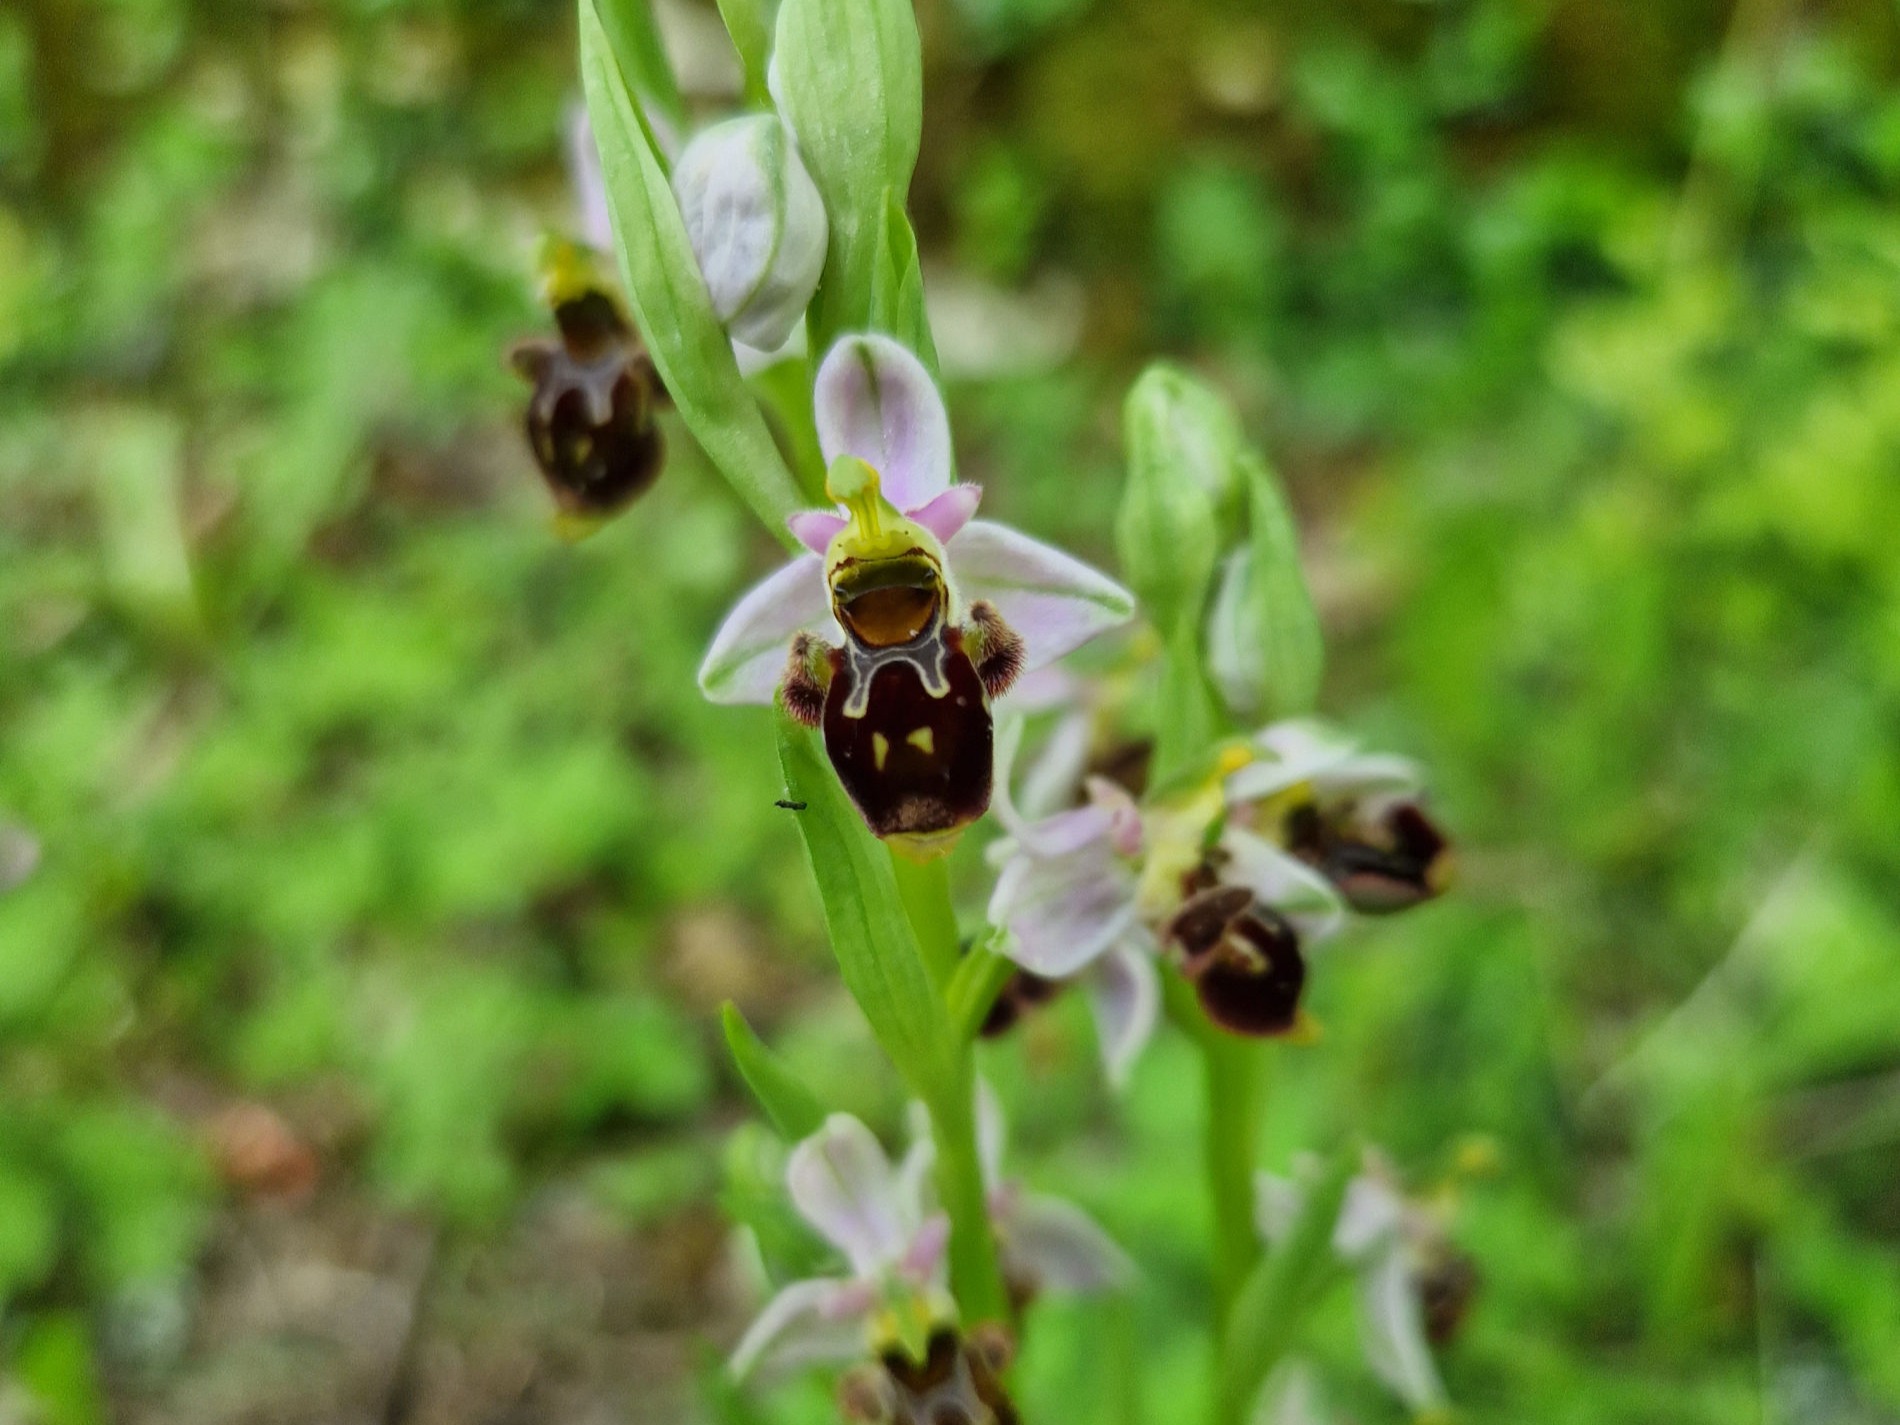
point(1574, 327)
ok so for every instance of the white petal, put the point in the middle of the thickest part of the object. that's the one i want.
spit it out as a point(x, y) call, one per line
point(1125, 993)
point(747, 657)
point(807, 1323)
point(1060, 1248)
point(874, 399)
point(584, 176)
point(1392, 1333)
point(1303, 750)
point(1284, 882)
point(926, 1254)
point(1057, 769)
point(1056, 602)
point(1063, 911)
point(1370, 1218)
point(843, 1185)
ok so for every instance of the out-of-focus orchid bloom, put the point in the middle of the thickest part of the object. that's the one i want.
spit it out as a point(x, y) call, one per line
point(1355, 817)
point(1392, 1246)
point(592, 421)
point(874, 1213)
point(956, 1381)
point(1067, 900)
point(1047, 1243)
point(909, 615)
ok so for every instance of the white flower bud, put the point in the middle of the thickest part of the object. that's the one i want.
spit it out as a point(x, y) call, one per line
point(756, 223)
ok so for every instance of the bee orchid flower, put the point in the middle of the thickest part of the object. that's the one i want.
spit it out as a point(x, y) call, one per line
point(1355, 817)
point(1399, 1254)
point(874, 1213)
point(908, 615)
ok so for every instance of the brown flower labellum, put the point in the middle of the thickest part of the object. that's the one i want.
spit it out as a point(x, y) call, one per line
point(904, 703)
point(1382, 858)
point(958, 1382)
point(591, 419)
point(1243, 959)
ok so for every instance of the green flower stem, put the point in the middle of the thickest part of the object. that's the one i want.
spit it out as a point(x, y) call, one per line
point(924, 887)
point(1187, 721)
point(1233, 1084)
point(976, 1277)
point(979, 979)
point(1234, 1087)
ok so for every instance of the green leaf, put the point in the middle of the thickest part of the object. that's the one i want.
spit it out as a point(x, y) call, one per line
point(849, 79)
point(1281, 1288)
point(871, 935)
point(794, 1109)
point(1285, 625)
point(669, 298)
point(750, 26)
point(897, 285)
point(635, 40)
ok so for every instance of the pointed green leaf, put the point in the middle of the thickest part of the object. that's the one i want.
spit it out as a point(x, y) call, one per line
point(794, 1109)
point(871, 936)
point(635, 39)
point(749, 22)
point(669, 298)
point(897, 286)
point(848, 75)
point(1286, 625)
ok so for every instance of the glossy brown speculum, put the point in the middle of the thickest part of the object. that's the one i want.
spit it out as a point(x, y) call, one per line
point(886, 602)
point(957, 1383)
point(917, 763)
point(1388, 859)
point(590, 422)
point(1243, 959)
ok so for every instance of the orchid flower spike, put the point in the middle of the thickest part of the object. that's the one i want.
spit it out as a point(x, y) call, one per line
point(1357, 818)
point(1400, 1258)
point(894, 1296)
point(908, 616)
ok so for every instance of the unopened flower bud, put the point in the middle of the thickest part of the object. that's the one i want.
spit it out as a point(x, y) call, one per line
point(756, 223)
point(1182, 442)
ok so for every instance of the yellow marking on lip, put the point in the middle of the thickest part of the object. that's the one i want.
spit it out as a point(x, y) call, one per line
point(924, 740)
point(880, 749)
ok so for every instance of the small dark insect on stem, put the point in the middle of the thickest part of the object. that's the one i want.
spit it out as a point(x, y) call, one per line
point(789, 806)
